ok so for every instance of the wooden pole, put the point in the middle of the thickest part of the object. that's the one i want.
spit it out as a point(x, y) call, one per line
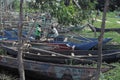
point(100, 40)
point(20, 48)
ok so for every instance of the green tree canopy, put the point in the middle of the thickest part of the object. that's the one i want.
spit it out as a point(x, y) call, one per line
point(67, 12)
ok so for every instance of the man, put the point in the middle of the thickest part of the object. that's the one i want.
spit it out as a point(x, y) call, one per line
point(54, 32)
point(38, 32)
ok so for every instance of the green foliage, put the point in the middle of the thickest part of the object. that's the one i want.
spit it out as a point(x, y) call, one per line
point(66, 15)
point(113, 74)
point(2, 52)
point(16, 4)
point(32, 5)
point(112, 21)
point(71, 14)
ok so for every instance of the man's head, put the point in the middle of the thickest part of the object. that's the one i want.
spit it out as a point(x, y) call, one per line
point(39, 25)
point(52, 27)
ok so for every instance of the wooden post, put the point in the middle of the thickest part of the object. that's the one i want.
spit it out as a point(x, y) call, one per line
point(100, 40)
point(20, 51)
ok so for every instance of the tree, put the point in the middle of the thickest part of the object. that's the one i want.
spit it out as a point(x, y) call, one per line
point(113, 5)
point(16, 4)
point(66, 11)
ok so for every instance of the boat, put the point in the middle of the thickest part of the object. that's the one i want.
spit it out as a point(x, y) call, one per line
point(12, 34)
point(76, 43)
point(52, 71)
point(58, 45)
point(105, 40)
point(9, 34)
point(61, 42)
point(64, 56)
point(107, 29)
point(111, 46)
point(107, 55)
point(67, 45)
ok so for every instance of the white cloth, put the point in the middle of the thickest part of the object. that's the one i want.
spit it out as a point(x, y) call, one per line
point(54, 30)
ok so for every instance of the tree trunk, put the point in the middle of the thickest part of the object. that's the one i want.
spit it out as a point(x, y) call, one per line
point(100, 40)
point(20, 60)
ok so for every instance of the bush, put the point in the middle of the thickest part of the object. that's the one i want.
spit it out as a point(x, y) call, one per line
point(4, 76)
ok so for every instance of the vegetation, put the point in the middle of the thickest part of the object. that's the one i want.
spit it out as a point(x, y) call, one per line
point(2, 52)
point(112, 22)
point(113, 74)
point(6, 76)
point(114, 5)
point(65, 11)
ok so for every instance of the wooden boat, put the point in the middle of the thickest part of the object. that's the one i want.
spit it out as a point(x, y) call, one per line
point(58, 45)
point(111, 46)
point(107, 29)
point(52, 71)
point(64, 56)
point(105, 40)
point(77, 43)
point(43, 45)
point(11, 34)
point(67, 45)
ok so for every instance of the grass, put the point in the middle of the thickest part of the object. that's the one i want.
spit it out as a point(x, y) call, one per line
point(113, 74)
point(111, 20)
point(112, 23)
